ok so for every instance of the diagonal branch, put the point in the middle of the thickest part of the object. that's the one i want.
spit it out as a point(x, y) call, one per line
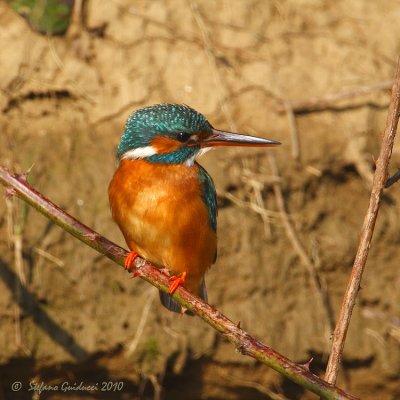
point(379, 182)
point(244, 343)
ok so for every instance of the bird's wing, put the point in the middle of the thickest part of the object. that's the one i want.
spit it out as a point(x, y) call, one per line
point(209, 196)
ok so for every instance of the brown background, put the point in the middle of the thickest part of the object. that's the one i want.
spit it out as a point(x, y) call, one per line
point(63, 105)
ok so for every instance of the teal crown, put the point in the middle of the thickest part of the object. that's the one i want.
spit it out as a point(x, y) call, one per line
point(162, 120)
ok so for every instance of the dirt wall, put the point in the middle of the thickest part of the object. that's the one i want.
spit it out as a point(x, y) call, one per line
point(64, 102)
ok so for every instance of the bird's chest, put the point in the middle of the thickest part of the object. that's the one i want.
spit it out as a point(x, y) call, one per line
point(161, 212)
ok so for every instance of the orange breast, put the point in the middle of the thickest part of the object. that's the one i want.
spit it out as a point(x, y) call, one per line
point(163, 218)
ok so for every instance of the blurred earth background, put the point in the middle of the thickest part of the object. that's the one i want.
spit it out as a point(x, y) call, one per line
point(76, 316)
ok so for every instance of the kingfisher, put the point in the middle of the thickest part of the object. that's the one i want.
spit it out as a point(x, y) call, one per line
point(163, 201)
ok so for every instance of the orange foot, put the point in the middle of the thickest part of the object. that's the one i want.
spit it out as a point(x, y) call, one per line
point(177, 281)
point(129, 261)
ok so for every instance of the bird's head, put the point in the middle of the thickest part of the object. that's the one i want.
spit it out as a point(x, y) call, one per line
point(176, 134)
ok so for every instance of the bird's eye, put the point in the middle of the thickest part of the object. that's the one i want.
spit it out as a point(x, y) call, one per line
point(183, 136)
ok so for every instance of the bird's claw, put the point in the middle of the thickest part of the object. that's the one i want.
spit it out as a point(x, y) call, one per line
point(177, 281)
point(129, 263)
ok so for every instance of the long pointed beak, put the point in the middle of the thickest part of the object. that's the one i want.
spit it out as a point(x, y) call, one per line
point(221, 138)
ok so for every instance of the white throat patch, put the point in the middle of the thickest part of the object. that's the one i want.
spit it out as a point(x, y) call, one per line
point(190, 161)
point(139, 153)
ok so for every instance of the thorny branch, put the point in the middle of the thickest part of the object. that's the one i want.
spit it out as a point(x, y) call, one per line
point(379, 182)
point(243, 342)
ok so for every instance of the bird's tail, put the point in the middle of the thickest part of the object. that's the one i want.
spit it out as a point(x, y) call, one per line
point(168, 302)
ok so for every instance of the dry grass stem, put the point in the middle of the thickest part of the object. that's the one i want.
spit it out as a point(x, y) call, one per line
point(50, 257)
point(264, 213)
point(15, 237)
point(328, 100)
point(318, 285)
point(142, 323)
point(294, 133)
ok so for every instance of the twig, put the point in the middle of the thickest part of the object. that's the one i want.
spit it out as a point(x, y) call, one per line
point(380, 179)
point(259, 202)
point(327, 101)
point(264, 213)
point(156, 386)
point(15, 229)
point(319, 287)
point(294, 132)
point(139, 331)
point(49, 257)
point(393, 179)
point(244, 343)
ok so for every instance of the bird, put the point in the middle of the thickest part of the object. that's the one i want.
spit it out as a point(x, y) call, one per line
point(163, 200)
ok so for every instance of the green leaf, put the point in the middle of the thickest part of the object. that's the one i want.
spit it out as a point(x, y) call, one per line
point(50, 17)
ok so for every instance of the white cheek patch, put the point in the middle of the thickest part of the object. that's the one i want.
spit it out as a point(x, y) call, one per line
point(148, 151)
point(203, 151)
point(139, 153)
point(190, 161)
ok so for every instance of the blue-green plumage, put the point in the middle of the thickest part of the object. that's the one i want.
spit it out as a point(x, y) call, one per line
point(175, 157)
point(209, 196)
point(163, 120)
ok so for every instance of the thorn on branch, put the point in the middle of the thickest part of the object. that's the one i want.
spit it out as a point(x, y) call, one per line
point(241, 349)
point(374, 160)
point(23, 177)
point(307, 364)
point(10, 192)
